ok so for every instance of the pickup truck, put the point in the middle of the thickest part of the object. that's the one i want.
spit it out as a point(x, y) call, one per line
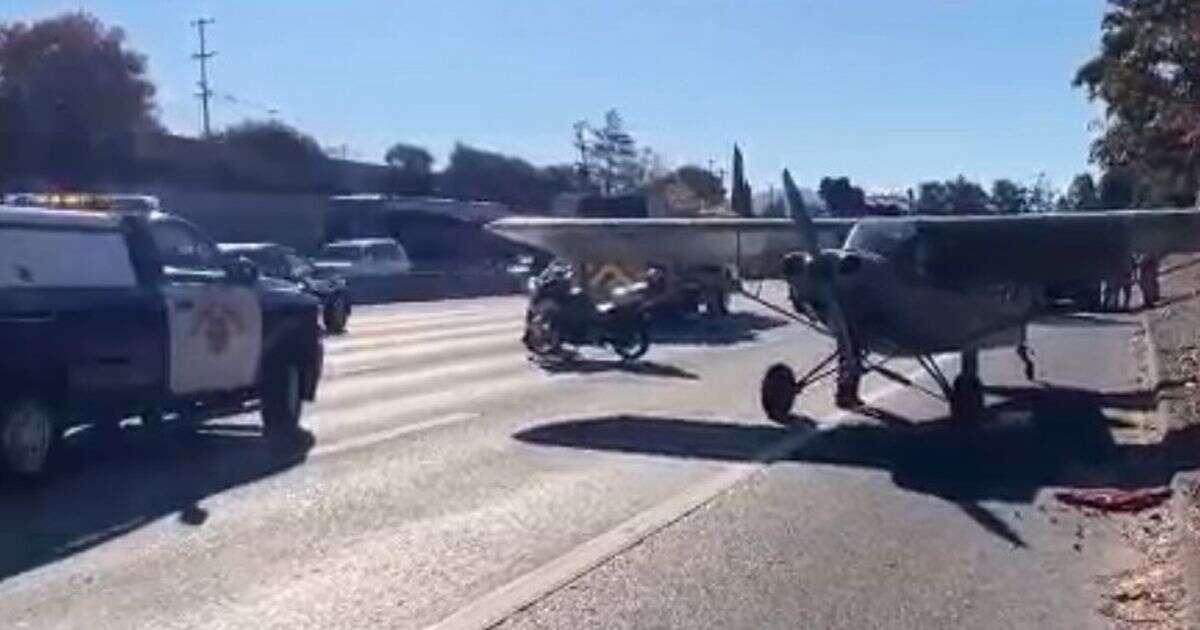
point(105, 316)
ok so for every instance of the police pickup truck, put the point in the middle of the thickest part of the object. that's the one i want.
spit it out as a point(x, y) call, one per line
point(108, 315)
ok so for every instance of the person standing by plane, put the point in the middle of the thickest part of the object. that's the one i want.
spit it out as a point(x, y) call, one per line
point(1147, 272)
point(1125, 285)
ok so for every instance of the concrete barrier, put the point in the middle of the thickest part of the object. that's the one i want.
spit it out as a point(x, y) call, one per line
point(432, 285)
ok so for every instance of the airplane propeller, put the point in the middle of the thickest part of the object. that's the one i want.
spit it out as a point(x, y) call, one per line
point(812, 273)
point(799, 214)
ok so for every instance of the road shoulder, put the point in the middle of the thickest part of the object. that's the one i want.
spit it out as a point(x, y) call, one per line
point(1172, 360)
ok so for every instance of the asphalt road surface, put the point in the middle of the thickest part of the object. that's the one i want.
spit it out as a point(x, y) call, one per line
point(447, 479)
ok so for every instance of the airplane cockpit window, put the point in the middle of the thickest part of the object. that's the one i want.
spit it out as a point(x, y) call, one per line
point(885, 238)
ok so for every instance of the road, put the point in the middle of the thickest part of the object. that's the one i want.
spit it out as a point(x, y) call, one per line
point(448, 479)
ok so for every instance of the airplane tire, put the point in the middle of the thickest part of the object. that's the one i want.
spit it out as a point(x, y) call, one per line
point(778, 393)
point(966, 399)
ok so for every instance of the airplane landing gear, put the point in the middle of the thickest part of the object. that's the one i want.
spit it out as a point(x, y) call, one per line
point(778, 392)
point(780, 387)
point(966, 396)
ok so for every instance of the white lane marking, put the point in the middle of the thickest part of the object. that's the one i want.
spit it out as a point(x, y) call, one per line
point(500, 604)
point(377, 437)
point(385, 383)
point(363, 344)
point(417, 323)
point(339, 366)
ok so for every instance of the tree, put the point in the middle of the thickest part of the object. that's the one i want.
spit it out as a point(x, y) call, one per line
point(1081, 194)
point(484, 175)
point(702, 182)
point(69, 86)
point(1041, 196)
point(295, 158)
point(612, 156)
point(841, 197)
point(1145, 74)
point(740, 198)
point(933, 198)
point(966, 197)
point(1118, 188)
point(1008, 197)
point(411, 170)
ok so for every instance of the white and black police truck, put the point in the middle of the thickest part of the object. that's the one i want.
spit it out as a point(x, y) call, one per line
point(116, 314)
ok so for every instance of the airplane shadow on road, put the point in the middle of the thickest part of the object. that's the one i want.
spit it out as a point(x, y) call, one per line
point(102, 489)
point(1031, 441)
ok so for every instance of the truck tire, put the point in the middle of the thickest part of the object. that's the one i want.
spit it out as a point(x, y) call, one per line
point(282, 399)
point(29, 430)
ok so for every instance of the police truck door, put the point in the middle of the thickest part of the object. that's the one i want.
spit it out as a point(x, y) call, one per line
point(215, 325)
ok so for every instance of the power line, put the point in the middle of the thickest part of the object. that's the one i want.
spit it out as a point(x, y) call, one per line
point(203, 56)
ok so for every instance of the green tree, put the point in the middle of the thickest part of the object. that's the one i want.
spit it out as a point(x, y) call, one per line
point(616, 152)
point(933, 198)
point(702, 182)
point(294, 157)
point(1081, 194)
point(1008, 197)
point(1041, 195)
point(965, 196)
point(842, 198)
point(741, 197)
point(1145, 74)
point(1118, 188)
point(410, 170)
point(484, 175)
point(70, 87)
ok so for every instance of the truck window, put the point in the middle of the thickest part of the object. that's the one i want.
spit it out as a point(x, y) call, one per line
point(30, 257)
point(342, 253)
point(180, 246)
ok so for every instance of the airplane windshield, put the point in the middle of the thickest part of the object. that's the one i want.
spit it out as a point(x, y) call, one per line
point(885, 238)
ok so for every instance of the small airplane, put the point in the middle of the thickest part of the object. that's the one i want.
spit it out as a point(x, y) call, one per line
point(912, 286)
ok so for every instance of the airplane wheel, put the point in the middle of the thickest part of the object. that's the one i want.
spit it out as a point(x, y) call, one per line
point(779, 393)
point(966, 399)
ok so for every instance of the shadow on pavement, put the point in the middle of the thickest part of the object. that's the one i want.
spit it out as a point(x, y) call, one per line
point(102, 489)
point(1030, 442)
point(726, 330)
point(580, 365)
point(1084, 320)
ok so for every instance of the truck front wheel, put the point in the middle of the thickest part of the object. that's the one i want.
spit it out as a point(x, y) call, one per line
point(28, 432)
point(282, 399)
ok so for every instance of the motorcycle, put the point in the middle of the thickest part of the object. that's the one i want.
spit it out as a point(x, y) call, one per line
point(560, 312)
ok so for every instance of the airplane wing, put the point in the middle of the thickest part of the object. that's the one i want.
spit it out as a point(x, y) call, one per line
point(1046, 248)
point(754, 246)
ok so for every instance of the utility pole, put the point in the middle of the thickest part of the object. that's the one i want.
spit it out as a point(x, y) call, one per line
point(203, 56)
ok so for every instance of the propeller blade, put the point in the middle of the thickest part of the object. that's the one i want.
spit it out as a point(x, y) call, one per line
point(799, 214)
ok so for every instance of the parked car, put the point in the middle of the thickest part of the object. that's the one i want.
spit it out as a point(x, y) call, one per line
point(144, 317)
point(364, 257)
point(281, 261)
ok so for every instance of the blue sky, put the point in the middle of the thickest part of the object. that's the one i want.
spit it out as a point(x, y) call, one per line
point(888, 92)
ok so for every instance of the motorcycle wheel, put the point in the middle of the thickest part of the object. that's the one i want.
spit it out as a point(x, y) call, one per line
point(632, 344)
point(542, 336)
point(336, 314)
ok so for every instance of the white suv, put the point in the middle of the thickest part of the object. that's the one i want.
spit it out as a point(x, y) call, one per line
point(364, 257)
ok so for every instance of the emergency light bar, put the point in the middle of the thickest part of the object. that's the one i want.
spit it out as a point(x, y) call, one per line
point(86, 202)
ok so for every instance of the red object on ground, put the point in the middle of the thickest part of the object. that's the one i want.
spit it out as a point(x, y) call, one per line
point(1115, 499)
